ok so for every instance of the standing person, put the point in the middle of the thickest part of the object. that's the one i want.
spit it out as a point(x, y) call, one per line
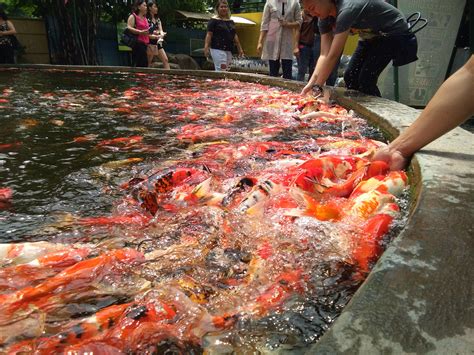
point(275, 43)
point(384, 36)
point(6, 45)
point(220, 37)
point(155, 47)
point(138, 24)
point(451, 105)
point(305, 53)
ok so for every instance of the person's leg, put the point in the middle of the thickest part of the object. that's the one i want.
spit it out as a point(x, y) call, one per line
point(287, 65)
point(304, 61)
point(219, 58)
point(164, 58)
point(316, 49)
point(351, 75)
point(150, 54)
point(274, 66)
point(379, 54)
point(312, 61)
point(141, 59)
point(334, 74)
point(229, 59)
point(3, 57)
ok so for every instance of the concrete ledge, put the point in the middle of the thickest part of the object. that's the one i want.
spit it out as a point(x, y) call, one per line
point(419, 297)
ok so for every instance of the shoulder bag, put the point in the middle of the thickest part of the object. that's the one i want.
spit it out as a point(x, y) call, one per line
point(128, 38)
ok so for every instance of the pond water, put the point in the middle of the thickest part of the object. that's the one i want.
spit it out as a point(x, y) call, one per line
point(185, 214)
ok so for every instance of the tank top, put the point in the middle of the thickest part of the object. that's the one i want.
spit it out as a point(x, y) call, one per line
point(153, 27)
point(5, 40)
point(142, 24)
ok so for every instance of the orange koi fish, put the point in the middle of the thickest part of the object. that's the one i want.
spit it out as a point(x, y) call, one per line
point(69, 280)
point(78, 332)
point(367, 245)
point(86, 138)
point(19, 276)
point(121, 141)
point(133, 219)
point(20, 253)
point(198, 133)
point(5, 194)
point(10, 146)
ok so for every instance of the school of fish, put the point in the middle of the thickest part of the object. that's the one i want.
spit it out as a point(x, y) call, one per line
point(265, 197)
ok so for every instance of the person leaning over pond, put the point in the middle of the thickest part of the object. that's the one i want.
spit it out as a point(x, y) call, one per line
point(138, 24)
point(155, 47)
point(6, 45)
point(276, 41)
point(384, 36)
point(220, 37)
point(451, 105)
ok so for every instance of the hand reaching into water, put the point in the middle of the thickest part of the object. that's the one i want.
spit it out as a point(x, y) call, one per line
point(393, 157)
point(307, 89)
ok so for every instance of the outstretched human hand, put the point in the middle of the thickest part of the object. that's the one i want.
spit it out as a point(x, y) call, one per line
point(307, 89)
point(393, 157)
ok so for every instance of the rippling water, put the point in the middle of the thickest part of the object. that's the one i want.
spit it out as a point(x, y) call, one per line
point(71, 140)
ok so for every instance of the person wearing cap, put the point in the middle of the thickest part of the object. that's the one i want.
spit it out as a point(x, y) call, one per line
point(384, 36)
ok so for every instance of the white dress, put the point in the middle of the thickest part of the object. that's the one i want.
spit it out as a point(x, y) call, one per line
point(279, 40)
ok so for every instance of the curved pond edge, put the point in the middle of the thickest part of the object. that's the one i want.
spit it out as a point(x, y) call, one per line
point(419, 296)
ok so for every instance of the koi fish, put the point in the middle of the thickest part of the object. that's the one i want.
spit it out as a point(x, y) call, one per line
point(86, 138)
point(120, 163)
point(79, 331)
point(57, 122)
point(285, 285)
point(10, 146)
point(70, 279)
point(18, 276)
point(260, 193)
point(132, 219)
point(121, 141)
point(28, 123)
point(19, 253)
point(197, 133)
point(5, 194)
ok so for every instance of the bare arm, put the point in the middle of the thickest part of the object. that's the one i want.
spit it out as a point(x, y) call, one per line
point(331, 50)
point(451, 105)
point(263, 28)
point(239, 47)
point(160, 29)
point(207, 43)
point(131, 26)
point(261, 40)
point(296, 41)
point(11, 30)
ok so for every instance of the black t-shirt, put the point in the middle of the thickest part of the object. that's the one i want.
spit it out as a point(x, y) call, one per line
point(223, 33)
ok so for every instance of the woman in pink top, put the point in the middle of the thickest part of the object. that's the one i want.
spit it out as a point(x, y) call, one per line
point(137, 23)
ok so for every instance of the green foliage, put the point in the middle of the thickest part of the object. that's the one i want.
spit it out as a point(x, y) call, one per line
point(111, 11)
point(18, 8)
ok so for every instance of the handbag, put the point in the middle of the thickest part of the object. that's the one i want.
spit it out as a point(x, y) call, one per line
point(128, 38)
